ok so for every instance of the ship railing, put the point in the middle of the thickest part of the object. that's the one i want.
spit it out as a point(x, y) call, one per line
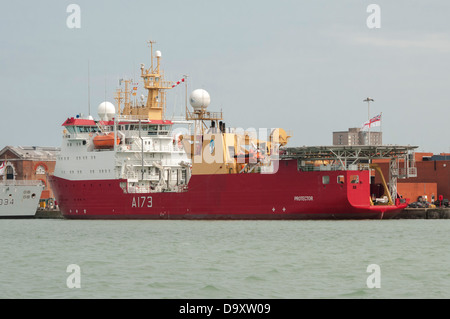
point(147, 189)
point(364, 166)
point(136, 147)
point(137, 163)
point(132, 117)
point(407, 172)
point(160, 84)
point(312, 168)
point(147, 176)
point(205, 116)
point(412, 172)
point(135, 176)
point(325, 168)
point(171, 148)
point(179, 119)
point(131, 175)
point(138, 189)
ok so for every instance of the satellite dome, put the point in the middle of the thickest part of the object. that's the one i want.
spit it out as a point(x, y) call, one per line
point(199, 99)
point(106, 111)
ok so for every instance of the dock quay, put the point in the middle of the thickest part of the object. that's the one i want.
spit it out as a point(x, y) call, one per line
point(424, 213)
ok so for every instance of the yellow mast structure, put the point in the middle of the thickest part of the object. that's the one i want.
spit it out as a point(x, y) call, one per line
point(120, 96)
point(156, 85)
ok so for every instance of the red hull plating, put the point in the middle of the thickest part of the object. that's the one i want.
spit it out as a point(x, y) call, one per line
point(287, 194)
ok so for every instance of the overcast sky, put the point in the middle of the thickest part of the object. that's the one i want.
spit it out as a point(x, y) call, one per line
point(305, 66)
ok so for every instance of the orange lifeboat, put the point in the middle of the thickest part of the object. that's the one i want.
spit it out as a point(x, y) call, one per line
point(105, 141)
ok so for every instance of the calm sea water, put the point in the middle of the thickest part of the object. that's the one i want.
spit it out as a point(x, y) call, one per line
point(224, 259)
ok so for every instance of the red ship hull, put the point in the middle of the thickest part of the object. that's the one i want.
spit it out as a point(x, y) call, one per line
point(286, 194)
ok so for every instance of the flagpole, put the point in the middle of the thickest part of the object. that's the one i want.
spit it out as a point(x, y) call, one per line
point(368, 115)
point(381, 127)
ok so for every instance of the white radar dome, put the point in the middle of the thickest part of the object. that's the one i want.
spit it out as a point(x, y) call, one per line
point(106, 111)
point(199, 99)
point(158, 54)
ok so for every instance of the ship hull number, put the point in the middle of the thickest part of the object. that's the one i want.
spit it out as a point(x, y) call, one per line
point(6, 201)
point(142, 201)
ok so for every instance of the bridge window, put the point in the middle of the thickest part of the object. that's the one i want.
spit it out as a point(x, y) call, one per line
point(340, 179)
point(325, 179)
point(354, 179)
point(152, 129)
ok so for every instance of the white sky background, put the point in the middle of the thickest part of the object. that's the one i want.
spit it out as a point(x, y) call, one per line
point(305, 66)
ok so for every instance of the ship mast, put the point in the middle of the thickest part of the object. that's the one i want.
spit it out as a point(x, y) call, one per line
point(155, 84)
point(123, 95)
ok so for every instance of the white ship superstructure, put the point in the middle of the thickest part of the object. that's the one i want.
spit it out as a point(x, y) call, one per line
point(135, 143)
point(147, 154)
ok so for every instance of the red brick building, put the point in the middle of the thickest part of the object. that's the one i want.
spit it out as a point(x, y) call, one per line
point(30, 163)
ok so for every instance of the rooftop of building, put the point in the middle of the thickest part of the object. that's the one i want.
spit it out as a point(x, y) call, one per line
point(32, 152)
